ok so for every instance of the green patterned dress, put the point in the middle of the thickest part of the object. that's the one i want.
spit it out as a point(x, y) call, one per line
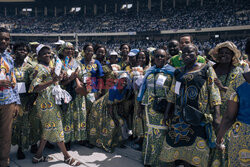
point(219, 158)
point(184, 141)
point(21, 124)
point(74, 119)
point(48, 112)
point(105, 129)
point(154, 128)
point(138, 121)
point(239, 135)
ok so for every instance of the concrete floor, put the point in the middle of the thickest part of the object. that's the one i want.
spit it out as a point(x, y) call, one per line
point(95, 157)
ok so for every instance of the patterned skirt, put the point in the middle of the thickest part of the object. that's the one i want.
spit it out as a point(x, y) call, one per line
point(104, 131)
point(74, 120)
point(154, 135)
point(197, 154)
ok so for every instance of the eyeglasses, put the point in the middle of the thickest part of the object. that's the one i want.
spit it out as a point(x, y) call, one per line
point(159, 56)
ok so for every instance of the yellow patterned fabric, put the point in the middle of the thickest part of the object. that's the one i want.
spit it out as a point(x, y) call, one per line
point(48, 112)
point(104, 128)
point(231, 93)
point(208, 90)
point(196, 154)
point(74, 119)
point(22, 123)
point(154, 127)
point(184, 141)
point(239, 147)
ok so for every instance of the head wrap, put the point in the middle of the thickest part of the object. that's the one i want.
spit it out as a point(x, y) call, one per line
point(39, 48)
point(33, 43)
point(133, 52)
point(229, 45)
point(65, 45)
point(59, 42)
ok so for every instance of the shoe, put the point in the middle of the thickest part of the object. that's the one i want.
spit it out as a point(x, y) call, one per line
point(20, 155)
point(123, 146)
point(49, 145)
point(72, 162)
point(33, 148)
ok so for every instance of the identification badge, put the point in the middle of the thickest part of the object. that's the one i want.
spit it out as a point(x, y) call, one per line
point(91, 97)
point(85, 79)
point(58, 67)
point(177, 87)
point(161, 80)
point(21, 87)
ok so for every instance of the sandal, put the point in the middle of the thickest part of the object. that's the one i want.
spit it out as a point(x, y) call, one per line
point(41, 159)
point(72, 162)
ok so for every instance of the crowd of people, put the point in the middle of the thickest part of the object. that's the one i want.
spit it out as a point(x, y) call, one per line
point(177, 106)
point(211, 14)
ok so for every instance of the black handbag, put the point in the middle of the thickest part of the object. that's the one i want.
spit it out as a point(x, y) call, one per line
point(160, 103)
point(192, 116)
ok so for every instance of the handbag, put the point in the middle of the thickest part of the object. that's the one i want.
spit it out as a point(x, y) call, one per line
point(160, 103)
point(192, 116)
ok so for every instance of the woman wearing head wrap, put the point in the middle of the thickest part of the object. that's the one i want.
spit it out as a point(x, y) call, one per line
point(226, 68)
point(155, 86)
point(44, 82)
point(106, 118)
point(74, 115)
point(21, 125)
point(237, 118)
point(196, 99)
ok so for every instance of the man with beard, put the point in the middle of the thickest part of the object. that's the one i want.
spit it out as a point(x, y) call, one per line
point(9, 97)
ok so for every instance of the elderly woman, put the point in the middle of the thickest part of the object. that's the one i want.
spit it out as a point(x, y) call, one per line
point(21, 125)
point(152, 94)
point(106, 120)
point(43, 83)
point(226, 68)
point(75, 115)
point(194, 95)
point(237, 118)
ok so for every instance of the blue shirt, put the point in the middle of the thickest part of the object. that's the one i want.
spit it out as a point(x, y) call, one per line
point(94, 71)
point(8, 95)
point(243, 92)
